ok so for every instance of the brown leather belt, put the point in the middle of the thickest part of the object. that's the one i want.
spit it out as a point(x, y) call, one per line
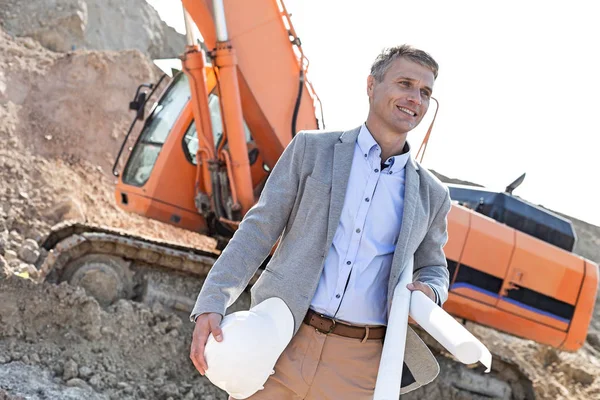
point(328, 325)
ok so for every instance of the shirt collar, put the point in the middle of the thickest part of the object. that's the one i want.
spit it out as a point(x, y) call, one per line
point(366, 142)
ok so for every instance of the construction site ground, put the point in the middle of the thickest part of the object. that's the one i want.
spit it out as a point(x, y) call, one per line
point(62, 119)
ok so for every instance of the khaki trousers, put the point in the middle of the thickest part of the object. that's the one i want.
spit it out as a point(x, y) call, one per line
point(315, 366)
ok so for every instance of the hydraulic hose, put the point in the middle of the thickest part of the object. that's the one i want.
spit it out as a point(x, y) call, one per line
point(298, 101)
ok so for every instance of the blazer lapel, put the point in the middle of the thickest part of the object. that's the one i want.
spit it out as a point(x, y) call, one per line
point(343, 153)
point(411, 196)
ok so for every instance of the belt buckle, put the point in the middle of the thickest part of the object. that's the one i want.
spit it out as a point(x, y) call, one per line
point(331, 327)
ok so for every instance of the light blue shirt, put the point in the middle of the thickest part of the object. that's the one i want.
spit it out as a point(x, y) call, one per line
point(353, 285)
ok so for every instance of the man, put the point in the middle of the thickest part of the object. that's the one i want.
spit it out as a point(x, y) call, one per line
point(350, 208)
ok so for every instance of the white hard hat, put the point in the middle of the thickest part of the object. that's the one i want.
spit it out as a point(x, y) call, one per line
point(252, 342)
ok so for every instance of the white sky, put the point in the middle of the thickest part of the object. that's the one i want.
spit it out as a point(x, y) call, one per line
point(518, 85)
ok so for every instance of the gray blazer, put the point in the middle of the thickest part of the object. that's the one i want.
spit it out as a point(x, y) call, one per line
point(301, 205)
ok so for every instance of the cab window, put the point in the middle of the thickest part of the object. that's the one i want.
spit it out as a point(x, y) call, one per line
point(155, 131)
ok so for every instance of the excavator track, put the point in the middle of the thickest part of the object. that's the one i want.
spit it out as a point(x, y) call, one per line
point(113, 264)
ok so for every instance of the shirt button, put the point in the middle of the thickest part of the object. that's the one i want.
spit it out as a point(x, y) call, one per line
point(357, 230)
point(337, 296)
point(376, 170)
point(348, 263)
point(365, 155)
point(367, 199)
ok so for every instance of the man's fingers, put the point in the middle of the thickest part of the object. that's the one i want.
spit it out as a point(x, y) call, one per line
point(197, 361)
point(197, 357)
point(199, 338)
point(422, 287)
point(205, 325)
point(215, 329)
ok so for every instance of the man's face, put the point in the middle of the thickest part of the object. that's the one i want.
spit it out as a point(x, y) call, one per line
point(401, 99)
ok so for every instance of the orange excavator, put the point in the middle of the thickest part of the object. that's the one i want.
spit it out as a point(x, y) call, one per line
point(206, 147)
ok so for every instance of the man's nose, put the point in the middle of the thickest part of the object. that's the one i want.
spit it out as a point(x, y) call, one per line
point(415, 97)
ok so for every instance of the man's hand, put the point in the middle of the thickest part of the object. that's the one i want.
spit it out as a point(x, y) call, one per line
point(423, 287)
point(205, 325)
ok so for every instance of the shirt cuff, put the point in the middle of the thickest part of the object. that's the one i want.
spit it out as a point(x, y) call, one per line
point(437, 297)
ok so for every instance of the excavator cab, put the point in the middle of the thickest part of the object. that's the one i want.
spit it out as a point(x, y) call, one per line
point(159, 176)
point(207, 145)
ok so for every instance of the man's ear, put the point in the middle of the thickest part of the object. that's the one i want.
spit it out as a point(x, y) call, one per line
point(370, 84)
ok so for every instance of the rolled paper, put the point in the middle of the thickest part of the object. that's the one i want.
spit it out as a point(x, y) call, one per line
point(448, 332)
point(389, 377)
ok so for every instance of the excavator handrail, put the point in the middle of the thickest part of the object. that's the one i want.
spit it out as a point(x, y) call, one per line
point(135, 119)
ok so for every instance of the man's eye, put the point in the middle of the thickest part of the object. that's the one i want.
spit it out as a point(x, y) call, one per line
point(404, 83)
point(425, 94)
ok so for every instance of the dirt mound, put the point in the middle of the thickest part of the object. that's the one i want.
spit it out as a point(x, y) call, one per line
point(48, 120)
point(65, 25)
point(62, 119)
point(58, 340)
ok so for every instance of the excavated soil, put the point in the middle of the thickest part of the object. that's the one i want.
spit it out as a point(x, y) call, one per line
point(62, 118)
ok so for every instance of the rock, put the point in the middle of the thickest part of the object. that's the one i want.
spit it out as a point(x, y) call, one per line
point(31, 270)
point(4, 269)
point(15, 236)
point(123, 385)
point(593, 338)
point(189, 395)
point(170, 390)
point(31, 243)
point(28, 254)
point(85, 372)
point(15, 264)
point(76, 382)
point(96, 382)
point(70, 370)
point(2, 245)
point(10, 255)
point(111, 380)
point(68, 209)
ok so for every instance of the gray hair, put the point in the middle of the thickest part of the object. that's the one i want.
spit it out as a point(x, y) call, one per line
point(384, 60)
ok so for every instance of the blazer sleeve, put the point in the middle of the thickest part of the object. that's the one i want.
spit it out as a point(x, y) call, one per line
point(430, 261)
point(256, 235)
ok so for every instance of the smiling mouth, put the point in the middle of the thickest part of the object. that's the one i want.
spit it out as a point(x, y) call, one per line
point(407, 111)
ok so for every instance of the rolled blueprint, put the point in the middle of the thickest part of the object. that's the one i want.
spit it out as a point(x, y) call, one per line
point(389, 376)
point(448, 332)
point(435, 321)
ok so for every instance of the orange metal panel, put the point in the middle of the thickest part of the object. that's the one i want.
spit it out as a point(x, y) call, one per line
point(168, 213)
point(458, 227)
point(584, 309)
point(489, 246)
point(169, 190)
point(547, 269)
point(502, 320)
